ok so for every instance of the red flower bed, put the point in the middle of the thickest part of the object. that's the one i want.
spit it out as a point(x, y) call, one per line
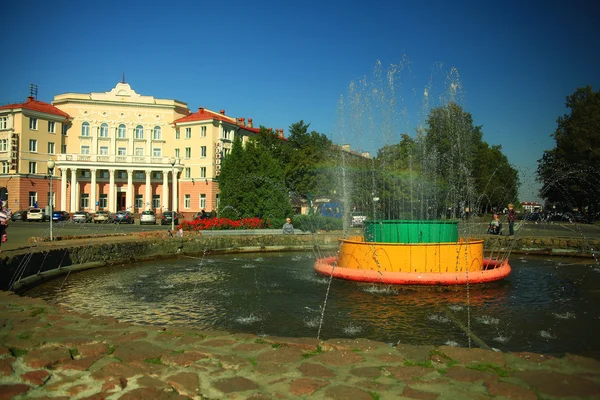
point(222, 223)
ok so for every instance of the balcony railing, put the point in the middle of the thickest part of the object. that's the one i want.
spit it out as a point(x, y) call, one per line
point(96, 158)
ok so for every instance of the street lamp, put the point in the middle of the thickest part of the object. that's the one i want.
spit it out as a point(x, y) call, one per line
point(51, 165)
point(172, 160)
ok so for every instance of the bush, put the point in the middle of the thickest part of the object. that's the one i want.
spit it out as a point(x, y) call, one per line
point(315, 222)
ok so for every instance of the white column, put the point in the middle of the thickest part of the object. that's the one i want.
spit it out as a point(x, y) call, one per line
point(148, 194)
point(111, 191)
point(73, 190)
point(165, 191)
point(175, 204)
point(129, 199)
point(93, 195)
point(63, 189)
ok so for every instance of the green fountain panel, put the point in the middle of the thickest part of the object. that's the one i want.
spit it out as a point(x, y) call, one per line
point(411, 231)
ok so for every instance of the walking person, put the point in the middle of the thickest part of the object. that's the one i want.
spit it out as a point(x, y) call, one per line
point(4, 218)
point(511, 220)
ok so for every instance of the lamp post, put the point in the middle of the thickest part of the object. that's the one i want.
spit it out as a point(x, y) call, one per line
point(172, 160)
point(51, 165)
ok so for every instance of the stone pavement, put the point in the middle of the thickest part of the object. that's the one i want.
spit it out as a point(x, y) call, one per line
point(49, 353)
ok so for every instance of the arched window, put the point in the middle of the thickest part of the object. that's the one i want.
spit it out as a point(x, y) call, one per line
point(139, 132)
point(104, 130)
point(85, 129)
point(122, 131)
point(156, 135)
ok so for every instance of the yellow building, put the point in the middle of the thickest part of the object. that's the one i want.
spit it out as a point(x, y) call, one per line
point(120, 150)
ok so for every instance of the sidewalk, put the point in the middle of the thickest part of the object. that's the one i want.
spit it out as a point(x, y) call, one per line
point(46, 352)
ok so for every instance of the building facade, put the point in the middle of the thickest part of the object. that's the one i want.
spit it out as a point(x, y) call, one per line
point(116, 150)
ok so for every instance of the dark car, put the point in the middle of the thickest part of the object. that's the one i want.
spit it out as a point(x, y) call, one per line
point(201, 215)
point(167, 218)
point(20, 215)
point(124, 217)
point(60, 216)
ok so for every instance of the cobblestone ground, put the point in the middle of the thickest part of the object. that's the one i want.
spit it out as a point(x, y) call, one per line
point(46, 352)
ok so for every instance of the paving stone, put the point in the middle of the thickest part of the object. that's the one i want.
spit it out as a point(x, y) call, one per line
point(409, 372)
point(151, 393)
point(183, 359)
point(96, 396)
point(467, 356)
point(46, 357)
point(315, 370)
point(376, 386)
point(9, 391)
point(6, 368)
point(469, 375)
point(306, 386)
point(4, 351)
point(80, 364)
point(93, 349)
point(338, 357)
point(510, 391)
point(390, 358)
point(187, 383)
point(353, 344)
point(117, 369)
point(218, 342)
point(114, 383)
point(414, 353)
point(366, 372)
point(36, 377)
point(252, 347)
point(232, 362)
point(149, 381)
point(281, 355)
point(299, 343)
point(583, 362)
point(77, 389)
point(559, 384)
point(236, 384)
point(187, 340)
point(137, 351)
point(418, 394)
point(129, 337)
point(270, 369)
point(346, 392)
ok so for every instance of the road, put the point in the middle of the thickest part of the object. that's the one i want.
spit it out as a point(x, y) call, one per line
point(19, 232)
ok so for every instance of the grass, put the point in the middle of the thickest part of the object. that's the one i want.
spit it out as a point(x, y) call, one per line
point(24, 336)
point(315, 352)
point(155, 360)
point(375, 396)
point(38, 311)
point(74, 353)
point(253, 361)
point(411, 363)
point(17, 352)
point(177, 351)
point(488, 367)
point(111, 349)
point(260, 341)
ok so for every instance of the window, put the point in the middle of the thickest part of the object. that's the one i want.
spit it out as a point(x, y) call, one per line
point(226, 134)
point(84, 201)
point(156, 175)
point(32, 167)
point(65, 129)
point(157, 152)
point(121, 132)
point(5, 167)
point(85, 129)
point(103, 201)
point(218, 201)
point(156, 201)
point(121, 174)
point(177, 154)
point(32, 199)
point(139, 132)
point(33, 145)
point(104, 130)
point(50, 148)
point(102, 173)
point(33, 124)
point(202, 151)
point(156, 133)
point(51, 127)
point(139, 201)
point(3, 145)
point(188, 152)
point(103, 150)
point(63, 149)
point(84, 173)
point(203, 131)
point(121, 151)
point(226, 151)
point(177, 134)
point(187, 201)
point(139, 175)
point(139, 151)
point(85, 149)
point(188, 172)
point(188, 133)
point(3, 122)
point(202, 172)
point(202, 201)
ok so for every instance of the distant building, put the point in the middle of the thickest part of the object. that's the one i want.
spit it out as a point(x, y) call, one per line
point(531, 206)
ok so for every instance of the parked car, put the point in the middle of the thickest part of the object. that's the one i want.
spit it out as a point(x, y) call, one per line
point(124, 217)
point(20, 215)
point(36, 214)
point(148, 217)
point(201, 215)
point(102, 217)
point(167, 218)
point(358, 218)
point(82, 217)
point(60, 216)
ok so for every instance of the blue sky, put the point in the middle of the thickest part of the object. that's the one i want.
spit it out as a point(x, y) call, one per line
point(281, 62)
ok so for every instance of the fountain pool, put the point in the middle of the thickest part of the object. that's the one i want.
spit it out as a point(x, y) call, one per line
point(546, 305)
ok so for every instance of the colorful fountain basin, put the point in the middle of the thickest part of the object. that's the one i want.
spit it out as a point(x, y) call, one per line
point(411, 231)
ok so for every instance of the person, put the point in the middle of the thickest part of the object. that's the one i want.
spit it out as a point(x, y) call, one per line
point(288, 228)
point(495, 227)
point(511, 220)
point(4, 218)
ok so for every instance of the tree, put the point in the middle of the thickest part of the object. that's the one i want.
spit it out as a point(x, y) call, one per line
point(252, 184)
point(569, 172)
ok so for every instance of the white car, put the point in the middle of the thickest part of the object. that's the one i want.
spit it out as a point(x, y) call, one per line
point(147, 217)
point(36, 214)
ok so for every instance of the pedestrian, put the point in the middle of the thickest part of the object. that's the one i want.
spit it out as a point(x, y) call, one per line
point(511, 220)
point(288, 228)
point(4, 218)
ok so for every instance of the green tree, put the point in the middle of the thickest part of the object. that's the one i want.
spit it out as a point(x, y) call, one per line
point(252, 184)
point(569, 171)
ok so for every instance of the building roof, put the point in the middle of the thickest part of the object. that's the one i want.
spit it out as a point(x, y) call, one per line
point(205, 115)
point(39, 106)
